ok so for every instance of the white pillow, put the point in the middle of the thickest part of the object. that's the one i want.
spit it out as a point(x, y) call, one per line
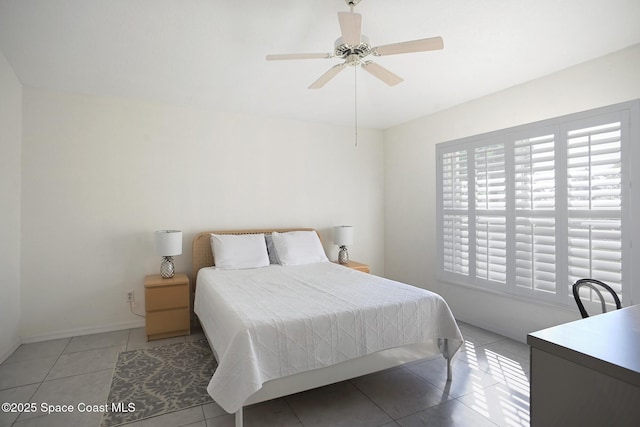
point(239, 251)
point(298, 247)
point(271, 249)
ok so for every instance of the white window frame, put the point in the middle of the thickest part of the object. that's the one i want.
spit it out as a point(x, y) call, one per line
point(628, 113)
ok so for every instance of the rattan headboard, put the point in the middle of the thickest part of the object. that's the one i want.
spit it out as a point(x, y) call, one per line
point(201, 246)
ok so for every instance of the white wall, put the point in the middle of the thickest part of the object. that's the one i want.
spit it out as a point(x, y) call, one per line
point(410, 189)
point(10, 134)
point(100, 174)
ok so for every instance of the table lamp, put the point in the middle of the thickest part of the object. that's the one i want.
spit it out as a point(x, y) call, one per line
point(343, 236)
point(168, 245)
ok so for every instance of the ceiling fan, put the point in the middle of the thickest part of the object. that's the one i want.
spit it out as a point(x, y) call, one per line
point(354, 47)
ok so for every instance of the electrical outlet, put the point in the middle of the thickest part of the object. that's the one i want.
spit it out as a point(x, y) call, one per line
point(130, 296)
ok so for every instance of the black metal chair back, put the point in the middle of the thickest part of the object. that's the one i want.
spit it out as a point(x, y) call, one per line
point(595, 285)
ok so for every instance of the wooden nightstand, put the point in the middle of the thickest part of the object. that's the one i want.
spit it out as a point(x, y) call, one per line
point(356, 266)
point(167, 306)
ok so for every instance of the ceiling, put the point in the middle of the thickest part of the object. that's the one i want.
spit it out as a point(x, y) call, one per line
point(211, 53)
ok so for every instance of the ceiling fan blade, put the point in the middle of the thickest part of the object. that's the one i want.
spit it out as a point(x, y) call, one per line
point(433, 43)
point(286, 56)
point(351, 27)
point(324, 79)
point(382, 73)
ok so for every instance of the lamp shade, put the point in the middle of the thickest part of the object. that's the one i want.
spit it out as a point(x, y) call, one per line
point(169, 242)
point(342, 235)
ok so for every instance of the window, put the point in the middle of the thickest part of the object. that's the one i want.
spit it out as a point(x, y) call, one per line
point(528, 211)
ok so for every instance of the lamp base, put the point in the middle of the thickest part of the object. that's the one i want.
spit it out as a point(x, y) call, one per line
point(343, 255)
point(167, 270)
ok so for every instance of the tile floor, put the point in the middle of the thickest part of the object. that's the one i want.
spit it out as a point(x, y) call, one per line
point(490, 387)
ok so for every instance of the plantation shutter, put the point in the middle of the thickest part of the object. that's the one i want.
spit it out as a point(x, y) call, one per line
point(491, 248)
point(490, 205)
point(490, 178)
point(529, 210)
point(534, 195)
point(456, 244)
point(594, 187)
point(455, 202)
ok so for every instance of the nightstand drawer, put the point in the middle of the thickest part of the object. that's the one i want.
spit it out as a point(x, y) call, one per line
point(160, 322)
point(166, 297)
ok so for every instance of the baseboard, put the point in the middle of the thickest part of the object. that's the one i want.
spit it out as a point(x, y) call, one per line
point(4, 354)
point(82, 331)
point(491, 328)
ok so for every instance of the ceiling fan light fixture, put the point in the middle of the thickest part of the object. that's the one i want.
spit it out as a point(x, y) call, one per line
point(353, 60)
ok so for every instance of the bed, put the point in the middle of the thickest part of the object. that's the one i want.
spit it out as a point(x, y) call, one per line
point(281, 329)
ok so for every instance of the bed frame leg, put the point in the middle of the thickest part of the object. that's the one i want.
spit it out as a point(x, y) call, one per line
point(447, 356)
point(239, 418)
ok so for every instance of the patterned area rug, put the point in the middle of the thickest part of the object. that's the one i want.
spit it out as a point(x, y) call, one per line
point(156, 381)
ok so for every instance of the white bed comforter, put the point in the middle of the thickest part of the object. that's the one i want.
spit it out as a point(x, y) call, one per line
point(276, 321)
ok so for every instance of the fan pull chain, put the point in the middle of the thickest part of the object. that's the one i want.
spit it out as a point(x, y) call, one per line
point(355, 96)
